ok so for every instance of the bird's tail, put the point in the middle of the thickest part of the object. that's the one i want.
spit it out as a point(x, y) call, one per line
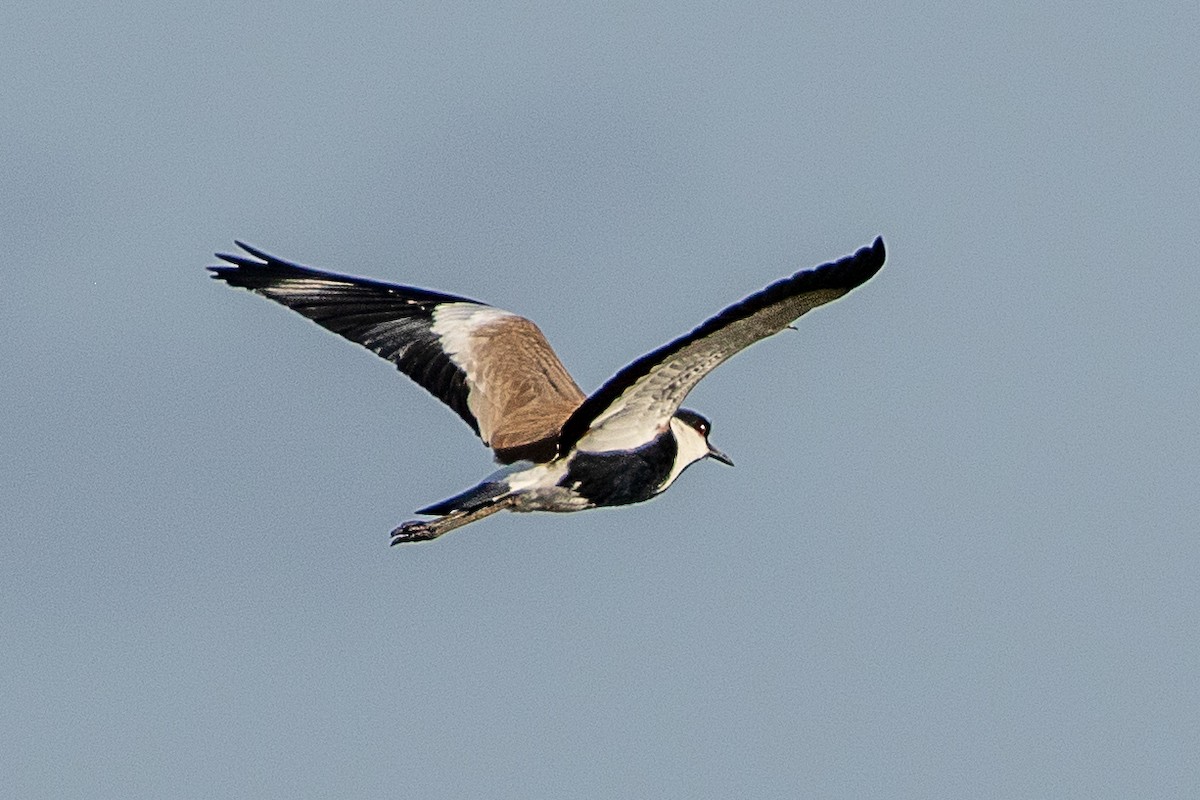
point(473, 499)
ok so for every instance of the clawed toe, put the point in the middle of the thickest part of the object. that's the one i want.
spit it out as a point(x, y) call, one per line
point(414, 531)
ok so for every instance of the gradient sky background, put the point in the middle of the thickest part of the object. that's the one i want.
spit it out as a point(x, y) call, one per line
point(958, 556)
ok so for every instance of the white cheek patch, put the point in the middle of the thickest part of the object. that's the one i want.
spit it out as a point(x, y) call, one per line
point(692, 448)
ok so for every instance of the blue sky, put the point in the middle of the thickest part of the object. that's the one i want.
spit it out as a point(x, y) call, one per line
point(957, 556)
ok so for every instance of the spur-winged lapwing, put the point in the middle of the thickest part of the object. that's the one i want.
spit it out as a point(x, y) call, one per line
point(562, 450)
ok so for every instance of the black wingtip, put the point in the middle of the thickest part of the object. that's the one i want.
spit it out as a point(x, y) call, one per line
point(845, 273)
point(240, 260)
point(234, 262)
point(254, 251)
point(878, 252)
point(874, 254)
point(854, 270)
point(255, 268)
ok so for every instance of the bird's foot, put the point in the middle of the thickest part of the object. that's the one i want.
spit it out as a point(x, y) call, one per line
point(416, 531)
point(423, 530)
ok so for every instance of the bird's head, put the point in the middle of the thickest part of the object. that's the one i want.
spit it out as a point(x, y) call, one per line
point(691, 433)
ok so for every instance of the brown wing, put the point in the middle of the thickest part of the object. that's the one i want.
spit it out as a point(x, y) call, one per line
point(520, 392)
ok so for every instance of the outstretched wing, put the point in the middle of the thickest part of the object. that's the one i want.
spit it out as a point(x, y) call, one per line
point(493, 368)
point(638, 402)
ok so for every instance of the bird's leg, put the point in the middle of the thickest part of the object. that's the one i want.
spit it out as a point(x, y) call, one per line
point(423, 530)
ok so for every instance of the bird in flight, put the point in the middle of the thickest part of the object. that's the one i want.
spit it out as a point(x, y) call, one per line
point(561, 450)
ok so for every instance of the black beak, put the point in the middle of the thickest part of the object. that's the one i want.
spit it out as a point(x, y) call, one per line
point(719, 456)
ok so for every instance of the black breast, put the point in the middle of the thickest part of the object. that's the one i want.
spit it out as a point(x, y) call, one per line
point(623, 477)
